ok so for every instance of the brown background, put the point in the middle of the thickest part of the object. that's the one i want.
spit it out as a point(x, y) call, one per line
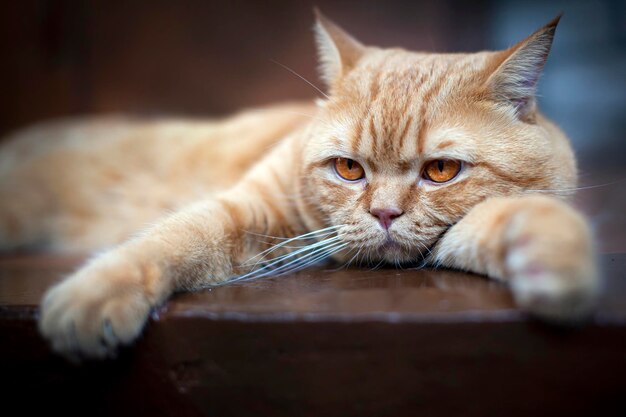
point(194, 57)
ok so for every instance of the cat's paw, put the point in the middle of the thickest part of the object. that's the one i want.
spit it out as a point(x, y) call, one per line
point(93, 312)
point(550, 261)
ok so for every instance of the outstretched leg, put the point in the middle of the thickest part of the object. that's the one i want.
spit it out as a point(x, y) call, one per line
point(107, 302)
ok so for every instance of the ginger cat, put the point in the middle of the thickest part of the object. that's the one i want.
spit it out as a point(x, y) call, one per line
point(420, 158)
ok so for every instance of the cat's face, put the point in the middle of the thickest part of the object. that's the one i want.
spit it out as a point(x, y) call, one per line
point(408, 143)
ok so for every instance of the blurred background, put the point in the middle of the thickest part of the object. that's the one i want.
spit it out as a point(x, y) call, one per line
point(209, 58)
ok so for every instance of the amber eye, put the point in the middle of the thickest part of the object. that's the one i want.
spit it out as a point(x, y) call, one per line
point(349, 169)
point(441, 170)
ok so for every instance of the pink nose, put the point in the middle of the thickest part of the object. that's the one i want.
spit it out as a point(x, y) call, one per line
point(386, 215)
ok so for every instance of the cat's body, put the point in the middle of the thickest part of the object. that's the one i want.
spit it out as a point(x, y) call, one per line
point(80, 185)
point(412, 158)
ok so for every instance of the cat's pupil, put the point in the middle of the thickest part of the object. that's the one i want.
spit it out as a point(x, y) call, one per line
point(440, 166)
point(350, 163)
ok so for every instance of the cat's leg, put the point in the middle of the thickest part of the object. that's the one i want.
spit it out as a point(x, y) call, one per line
point(539, 245)
point(107, 302)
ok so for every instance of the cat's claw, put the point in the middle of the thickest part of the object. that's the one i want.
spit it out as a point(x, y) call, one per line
point(88, 316)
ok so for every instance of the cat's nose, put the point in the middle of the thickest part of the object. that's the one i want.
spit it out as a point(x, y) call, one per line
point(386, 215)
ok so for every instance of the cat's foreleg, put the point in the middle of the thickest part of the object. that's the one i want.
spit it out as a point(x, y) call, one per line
point(539, 245)
point(107, 302)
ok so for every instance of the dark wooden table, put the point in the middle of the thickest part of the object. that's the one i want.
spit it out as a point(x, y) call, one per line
point(343, 343)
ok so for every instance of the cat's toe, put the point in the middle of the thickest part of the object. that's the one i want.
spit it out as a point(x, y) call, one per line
point(553, 295)
point(86, 321)
point(551, 265)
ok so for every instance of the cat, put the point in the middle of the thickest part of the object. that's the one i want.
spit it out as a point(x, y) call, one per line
point(412, 158)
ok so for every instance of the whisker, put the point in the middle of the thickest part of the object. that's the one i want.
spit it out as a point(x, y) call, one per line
point(568, 190)
point(301, 77)
point(348, 262)
point(266, 271)
point(313, 261)
point(425, 247)
point(378, 265)
point(311, 235)
point(299, 251)
point(299, 237)
point(311, 249)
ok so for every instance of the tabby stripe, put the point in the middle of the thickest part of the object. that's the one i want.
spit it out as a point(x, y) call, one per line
point(525, 182)
point(445, 144)
point(373, 135)
point(433, 91)
point(366, 197)
point(375, 86)
point(403, 134)
point(358, 136)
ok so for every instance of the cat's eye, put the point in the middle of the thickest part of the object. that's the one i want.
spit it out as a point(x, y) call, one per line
point(349, 169)
point(441, 170)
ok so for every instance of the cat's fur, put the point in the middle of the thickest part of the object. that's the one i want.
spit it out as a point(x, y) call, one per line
point(231, 185)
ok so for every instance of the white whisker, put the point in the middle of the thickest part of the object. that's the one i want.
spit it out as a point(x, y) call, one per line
point(311, 249)
point(317, 254)
point(311, 235)
point(297, 252)
point(571, 190)
point(348, 262)
point(301, 77)
point(314, 260)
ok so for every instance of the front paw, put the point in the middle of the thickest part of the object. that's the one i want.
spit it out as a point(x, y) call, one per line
point(550, 261)
point(93, 312)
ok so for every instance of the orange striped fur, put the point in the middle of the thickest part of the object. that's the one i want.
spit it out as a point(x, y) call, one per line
point(182, 204)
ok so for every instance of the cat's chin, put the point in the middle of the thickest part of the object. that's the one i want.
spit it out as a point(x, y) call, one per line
point(394, 253)
point(384, 249)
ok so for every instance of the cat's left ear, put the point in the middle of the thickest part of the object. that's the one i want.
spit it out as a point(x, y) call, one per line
point(338, 51)
point(515, 79)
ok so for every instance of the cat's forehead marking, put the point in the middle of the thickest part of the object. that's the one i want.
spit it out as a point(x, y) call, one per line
point(444, 144)
point(400, 116)
point(450, 142)
point(391, 107)
point(399, 101)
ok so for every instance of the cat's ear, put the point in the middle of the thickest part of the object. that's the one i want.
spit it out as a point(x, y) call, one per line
point(338, 51)
point(515, 79)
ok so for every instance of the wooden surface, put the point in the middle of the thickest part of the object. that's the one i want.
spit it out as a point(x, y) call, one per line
point(343, 343)
point(321, 294)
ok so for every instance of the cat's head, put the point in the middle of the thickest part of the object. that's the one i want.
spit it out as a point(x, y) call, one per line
point(407, 143)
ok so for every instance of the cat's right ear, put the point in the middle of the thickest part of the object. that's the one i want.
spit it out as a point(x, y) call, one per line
point(338, 51)
point(515, 79)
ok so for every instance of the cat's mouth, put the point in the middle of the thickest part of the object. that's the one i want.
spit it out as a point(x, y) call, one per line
point(390, 244)
point(400, 251)
point(393, 251)
point(388, 248)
